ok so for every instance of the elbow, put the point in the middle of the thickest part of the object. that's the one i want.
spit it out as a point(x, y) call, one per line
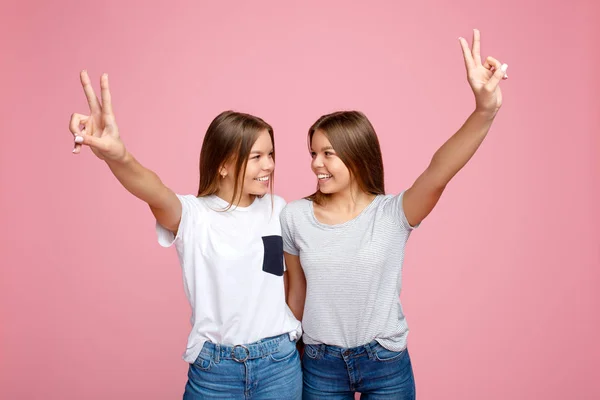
point(437, 178)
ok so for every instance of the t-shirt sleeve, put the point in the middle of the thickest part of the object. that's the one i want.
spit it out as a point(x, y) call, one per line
point(288, 243)
point(166, 238)
point(396, 207)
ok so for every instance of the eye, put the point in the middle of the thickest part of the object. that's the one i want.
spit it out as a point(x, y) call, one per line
point(271, 154)
point(313, 154)
point(255, 157)
point(329, 153)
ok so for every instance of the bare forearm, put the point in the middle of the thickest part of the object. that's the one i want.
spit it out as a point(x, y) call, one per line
point(458, 150)
point(296, 304)
point(295, 282)
point(140, 181)
point(296, 295)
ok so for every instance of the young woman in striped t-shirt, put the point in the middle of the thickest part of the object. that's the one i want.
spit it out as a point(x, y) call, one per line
point(345, 245)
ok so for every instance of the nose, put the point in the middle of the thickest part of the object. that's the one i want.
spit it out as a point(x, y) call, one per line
point(317, 162)
point(269, 164)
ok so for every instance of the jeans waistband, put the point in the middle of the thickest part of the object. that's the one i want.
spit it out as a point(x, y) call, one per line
point(243, 352)
point(368, 349)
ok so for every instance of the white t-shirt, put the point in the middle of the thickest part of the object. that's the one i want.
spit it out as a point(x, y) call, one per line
point(232, 264)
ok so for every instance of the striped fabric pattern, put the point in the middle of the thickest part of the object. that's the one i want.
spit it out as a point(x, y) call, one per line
point(353, 272)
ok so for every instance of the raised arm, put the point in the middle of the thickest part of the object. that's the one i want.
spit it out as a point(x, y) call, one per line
point(99, 131)
point(484, 79)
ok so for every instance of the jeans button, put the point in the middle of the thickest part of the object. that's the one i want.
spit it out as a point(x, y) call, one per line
point(347, 353)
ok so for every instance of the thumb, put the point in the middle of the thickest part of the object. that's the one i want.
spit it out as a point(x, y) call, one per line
point(91, 141)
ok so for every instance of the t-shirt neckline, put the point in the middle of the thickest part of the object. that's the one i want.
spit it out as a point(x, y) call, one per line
point(222, 204)
point(343, 224)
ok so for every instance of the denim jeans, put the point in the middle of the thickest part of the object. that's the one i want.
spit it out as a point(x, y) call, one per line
point(267, 369)
point(332, 372)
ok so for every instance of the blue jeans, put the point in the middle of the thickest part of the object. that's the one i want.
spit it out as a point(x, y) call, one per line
point(267, 369)
point(332, 372)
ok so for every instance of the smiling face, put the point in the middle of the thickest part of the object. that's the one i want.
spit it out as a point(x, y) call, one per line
point(257, 177)
point(260, 167)
point(332, 174)
point(237, 158)
point(345, 155)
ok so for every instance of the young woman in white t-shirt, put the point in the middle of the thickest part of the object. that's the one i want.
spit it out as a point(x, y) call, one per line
point(228, 239)
point(344, 245)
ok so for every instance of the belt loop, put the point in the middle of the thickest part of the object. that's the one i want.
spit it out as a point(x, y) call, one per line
point(370, 351)
point(321, 351)
point(217, 355)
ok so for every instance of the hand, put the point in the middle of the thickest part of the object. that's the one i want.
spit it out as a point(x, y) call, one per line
point(485, 78)
point(98, 130)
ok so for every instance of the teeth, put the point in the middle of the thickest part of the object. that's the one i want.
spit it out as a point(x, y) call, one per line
point(262, 178)
point(323, 176)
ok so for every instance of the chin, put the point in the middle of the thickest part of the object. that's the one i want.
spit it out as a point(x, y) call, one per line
point(323, 188)
point(260, 192)
point(330, 189)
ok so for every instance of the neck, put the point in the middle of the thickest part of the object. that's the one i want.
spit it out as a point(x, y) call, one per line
point(350, 200)
point(241, 200)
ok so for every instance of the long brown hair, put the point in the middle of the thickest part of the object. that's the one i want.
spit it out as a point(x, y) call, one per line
point(355, 142)
point(230, 136)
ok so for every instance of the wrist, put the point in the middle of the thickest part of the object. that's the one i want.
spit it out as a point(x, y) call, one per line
point(123, 160)
point(485, 114)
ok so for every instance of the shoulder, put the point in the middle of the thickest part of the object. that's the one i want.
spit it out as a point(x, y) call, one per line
point(278, 203)
point(387, 201)
point(384, 200)
point(296, 208)
point(391, 206)
point(192, 201)
point(202, 205)
point(269, 204)
point(187, 197)
point(189, 200)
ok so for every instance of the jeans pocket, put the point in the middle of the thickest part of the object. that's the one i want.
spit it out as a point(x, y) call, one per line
point(285, 351)
point(383, 354)
point(311, 351)
point(273, 258)
point(203, 362)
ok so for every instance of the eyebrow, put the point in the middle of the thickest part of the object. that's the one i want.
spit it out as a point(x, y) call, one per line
point(324, 148)
point(260, 152)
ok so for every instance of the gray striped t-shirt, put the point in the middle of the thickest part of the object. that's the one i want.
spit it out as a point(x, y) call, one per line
point(353, 273)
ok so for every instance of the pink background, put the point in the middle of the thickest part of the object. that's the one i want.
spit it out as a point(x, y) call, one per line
point(501, 281)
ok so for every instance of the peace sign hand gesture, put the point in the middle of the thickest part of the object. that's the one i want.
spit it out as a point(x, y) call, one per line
point(485, 78)
point(98, 130)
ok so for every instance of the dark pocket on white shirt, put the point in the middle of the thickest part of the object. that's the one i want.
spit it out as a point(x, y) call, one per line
point(273, 259)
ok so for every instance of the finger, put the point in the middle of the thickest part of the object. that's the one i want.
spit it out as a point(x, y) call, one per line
point(76, 121)
point(496, 78)
point(477, 47)
point(492, 64)
point(83, 132)
point(91, 141)
point(92, 100)
point(469, 62)
point(106, 99)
